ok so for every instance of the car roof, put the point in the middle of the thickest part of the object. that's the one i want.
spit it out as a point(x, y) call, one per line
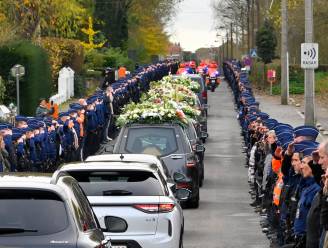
point(144, 158)
point(25, 177)
point(28, 180)
point(164, 124)
point(150, 167)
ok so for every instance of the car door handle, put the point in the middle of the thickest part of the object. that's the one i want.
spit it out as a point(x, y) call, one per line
point(176, 157)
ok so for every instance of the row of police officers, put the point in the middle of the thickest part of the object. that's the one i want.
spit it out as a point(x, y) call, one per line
point(43, 142)
point(287, 170)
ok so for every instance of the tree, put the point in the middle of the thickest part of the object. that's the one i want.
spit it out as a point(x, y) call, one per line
point(266, 42)
point(91, 34)
point(112, 20)
point(147, 33)
point(33, 18)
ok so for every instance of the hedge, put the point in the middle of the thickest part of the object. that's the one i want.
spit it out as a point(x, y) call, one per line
point(37, 80)
point(63, 52)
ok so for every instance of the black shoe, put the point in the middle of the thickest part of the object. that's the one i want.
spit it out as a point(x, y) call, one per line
point(254, 203)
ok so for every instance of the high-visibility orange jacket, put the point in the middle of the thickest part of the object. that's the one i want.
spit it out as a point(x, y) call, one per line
point(121, 72)
point(276, 168)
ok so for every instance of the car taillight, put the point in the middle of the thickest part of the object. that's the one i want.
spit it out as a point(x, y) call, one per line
point(155, 208)
point(191, 164)
point(183, 186)
point(204, 94)
point(165, 208)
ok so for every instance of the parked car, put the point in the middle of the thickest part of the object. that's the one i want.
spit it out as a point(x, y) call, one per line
point(43, 211)
point(170, 143)
point(132, 202)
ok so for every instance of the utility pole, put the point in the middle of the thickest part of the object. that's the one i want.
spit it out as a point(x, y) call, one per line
point(248, 28)
point(227, 45)
point(253, 24)
point(258, 10)
point(284, 51)
point(231, 36)
point(309, 73)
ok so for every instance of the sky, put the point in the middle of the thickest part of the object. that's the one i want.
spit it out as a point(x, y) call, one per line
point(193, 25)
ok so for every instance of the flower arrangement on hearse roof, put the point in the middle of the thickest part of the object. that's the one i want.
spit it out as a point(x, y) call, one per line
point(168, 100)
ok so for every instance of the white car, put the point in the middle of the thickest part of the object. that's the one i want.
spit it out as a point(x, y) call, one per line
point(140, 158)
point(132, 202)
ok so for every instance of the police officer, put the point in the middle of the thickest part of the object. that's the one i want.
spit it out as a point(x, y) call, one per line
point(309, 191)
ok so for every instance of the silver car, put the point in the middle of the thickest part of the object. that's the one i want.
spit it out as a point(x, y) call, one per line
point(132, 202)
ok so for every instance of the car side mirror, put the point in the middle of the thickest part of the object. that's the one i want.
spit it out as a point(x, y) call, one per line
point(178, 177)
point(206, 106)
point(182, 194)
point(200, 148)
point(204, 135)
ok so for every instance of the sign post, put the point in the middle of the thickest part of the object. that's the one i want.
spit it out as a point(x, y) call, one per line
point(310, 55)
point(309, 62)
point(17, 71)
point(271, 77)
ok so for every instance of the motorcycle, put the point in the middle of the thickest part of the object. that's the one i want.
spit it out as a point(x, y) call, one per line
point(213, 81)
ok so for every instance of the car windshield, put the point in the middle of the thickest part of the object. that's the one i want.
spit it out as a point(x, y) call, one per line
point(118, 183)
point(155, 141)
point(26, 213)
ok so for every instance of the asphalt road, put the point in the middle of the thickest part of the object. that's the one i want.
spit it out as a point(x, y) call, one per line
point(224, 218)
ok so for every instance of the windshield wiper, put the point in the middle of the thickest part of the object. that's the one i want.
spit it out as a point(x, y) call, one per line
point(8, 230)
point(116, 192)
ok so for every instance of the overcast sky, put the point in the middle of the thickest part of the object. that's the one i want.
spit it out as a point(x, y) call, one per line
point(193, 26)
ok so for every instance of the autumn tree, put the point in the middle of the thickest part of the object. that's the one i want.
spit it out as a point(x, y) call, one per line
point(147, 33)
point(33, 18)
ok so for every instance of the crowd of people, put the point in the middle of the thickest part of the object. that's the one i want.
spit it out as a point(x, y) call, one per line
point(43, 142)
point(287, 170)
point(204, 68)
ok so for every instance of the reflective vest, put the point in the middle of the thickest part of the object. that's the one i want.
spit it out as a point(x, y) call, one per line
point(276, 168)
point(277, 189)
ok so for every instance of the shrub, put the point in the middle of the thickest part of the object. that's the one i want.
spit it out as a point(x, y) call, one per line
point(37, 80)
point(63, 52)
point(107, 57)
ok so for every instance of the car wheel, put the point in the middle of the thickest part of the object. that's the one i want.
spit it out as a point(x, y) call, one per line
point(194, 202)
point(181, 240)
point(201, 181)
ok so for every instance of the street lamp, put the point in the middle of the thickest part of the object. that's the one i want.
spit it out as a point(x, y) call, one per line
point(17, 71)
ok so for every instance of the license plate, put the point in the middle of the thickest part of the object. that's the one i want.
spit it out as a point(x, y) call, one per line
point(119, 246)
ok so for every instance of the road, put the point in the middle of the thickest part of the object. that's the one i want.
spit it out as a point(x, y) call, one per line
point(224, 218)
